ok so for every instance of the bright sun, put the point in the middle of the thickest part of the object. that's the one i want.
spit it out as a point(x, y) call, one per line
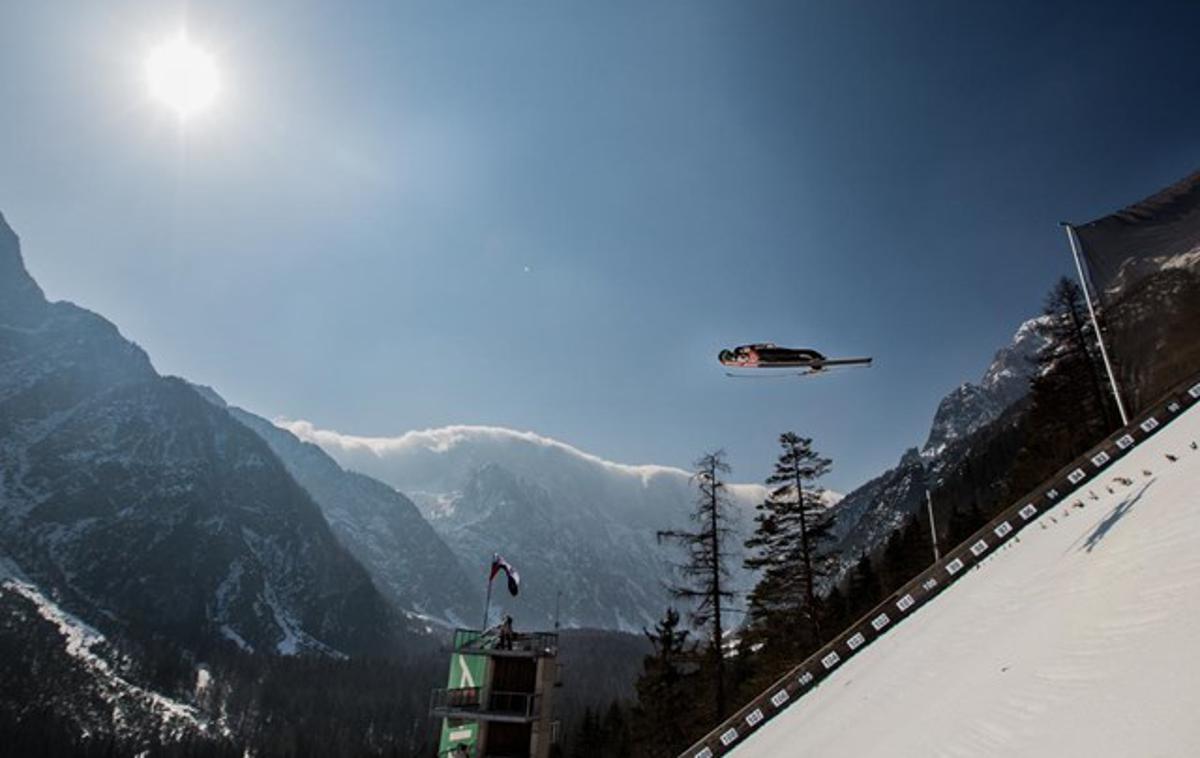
point(182, 76)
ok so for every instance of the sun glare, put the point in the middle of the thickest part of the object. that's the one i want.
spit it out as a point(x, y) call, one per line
point(182, 76)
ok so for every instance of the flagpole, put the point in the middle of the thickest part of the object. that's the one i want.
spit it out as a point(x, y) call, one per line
point(1112, 379)
point(487, 605)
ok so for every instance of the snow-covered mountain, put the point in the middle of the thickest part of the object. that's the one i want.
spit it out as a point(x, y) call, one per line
point(868, 514)
point(571, 522)
point(1073, 641)
point(147, 511)
point(384, 530)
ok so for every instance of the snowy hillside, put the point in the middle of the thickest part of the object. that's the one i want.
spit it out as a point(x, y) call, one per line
point(1077, 639)
point(570, 521)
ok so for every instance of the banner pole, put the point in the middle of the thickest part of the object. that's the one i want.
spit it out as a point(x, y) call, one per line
point(932, 529)
point(1112, 379)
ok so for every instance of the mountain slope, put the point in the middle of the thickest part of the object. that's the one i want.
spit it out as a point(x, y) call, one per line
point(869, 513)
point(52, 661)
point(970, 407)
point(150, 513)
point(1074, 641)
point(409, 562)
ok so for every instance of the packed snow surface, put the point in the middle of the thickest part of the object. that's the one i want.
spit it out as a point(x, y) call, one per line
point(1079, 640)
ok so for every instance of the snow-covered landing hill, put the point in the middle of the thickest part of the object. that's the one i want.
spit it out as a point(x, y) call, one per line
point(1078, 640)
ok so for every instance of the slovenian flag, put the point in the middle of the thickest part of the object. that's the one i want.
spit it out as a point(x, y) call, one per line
point(514, 579)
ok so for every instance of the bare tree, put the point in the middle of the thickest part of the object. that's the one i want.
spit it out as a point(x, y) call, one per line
point(704, 575)
point(1073, 349)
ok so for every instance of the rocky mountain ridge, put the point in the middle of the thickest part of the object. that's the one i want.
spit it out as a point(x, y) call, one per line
point(971, 406)
point(148, 512)
point(868, 514)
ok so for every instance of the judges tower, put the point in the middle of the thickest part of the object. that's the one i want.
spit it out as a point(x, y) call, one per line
point(499, 699)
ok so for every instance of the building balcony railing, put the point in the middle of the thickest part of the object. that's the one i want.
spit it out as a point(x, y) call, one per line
point(523, 645)
point(474, 704)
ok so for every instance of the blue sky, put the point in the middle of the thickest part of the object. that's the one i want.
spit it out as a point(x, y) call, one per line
point(551, 216)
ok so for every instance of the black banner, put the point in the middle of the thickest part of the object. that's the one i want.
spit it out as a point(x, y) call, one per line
point(1144, 265)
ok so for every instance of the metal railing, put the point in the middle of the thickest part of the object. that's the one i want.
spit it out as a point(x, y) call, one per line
point(526, 644)
point(521, 704)
point(459, 699)
point(512, 706)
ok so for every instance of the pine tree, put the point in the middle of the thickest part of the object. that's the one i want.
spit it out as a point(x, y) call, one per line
point(1070, 406)
point(588, 738)
point(865, 589)
point(705, 573)
point(1072, 340)
point(909, 551)
point(791, 525)
point(835, 612)
point(894, 563)
point(617, 741)
point(664, 691)
point(964, 523)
